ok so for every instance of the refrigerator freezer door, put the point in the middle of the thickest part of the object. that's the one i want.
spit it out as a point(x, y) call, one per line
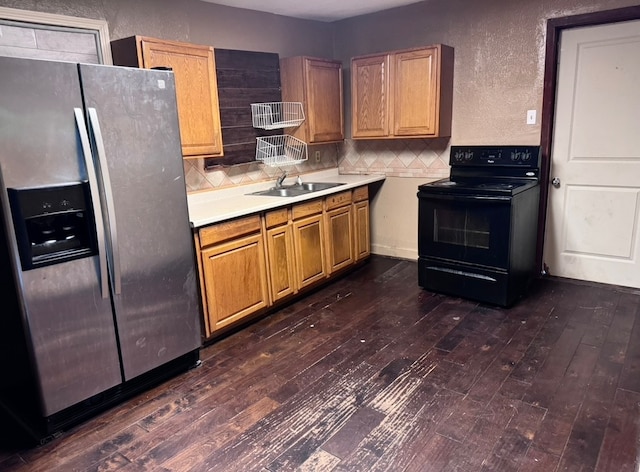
point(67, 323)
point(155, 292)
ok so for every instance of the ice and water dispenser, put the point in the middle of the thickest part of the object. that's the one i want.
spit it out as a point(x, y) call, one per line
point(53, 224)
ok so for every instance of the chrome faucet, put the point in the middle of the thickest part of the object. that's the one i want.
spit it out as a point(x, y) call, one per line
point(281, 179)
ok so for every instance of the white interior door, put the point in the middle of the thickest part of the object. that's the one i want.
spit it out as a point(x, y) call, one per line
point(593, 218)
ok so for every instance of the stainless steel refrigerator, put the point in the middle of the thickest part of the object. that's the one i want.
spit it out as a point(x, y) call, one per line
point(99, 295)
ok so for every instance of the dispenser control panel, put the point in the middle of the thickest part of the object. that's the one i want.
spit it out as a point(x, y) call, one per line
point(53, 224)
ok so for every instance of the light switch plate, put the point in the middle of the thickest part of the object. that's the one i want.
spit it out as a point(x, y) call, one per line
point(531, 117)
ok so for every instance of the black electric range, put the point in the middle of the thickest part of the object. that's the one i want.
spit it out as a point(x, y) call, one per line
point(477, 229)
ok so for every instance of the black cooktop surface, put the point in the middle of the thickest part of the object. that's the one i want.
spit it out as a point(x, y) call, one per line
point(489, 170)
point(478, 187)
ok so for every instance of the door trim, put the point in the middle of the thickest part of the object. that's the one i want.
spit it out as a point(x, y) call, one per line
point(555, 26)
point(99, 27)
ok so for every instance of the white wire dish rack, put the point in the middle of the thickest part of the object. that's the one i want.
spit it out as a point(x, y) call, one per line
point(280, 150)
point(276, 115)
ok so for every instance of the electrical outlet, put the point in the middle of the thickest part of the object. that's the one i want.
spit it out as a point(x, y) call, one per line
point(531, 117)
point(317, 156)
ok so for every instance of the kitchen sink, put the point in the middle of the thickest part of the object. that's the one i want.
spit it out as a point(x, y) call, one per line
point(317, 186)
point(296, 189)
point(281, 192)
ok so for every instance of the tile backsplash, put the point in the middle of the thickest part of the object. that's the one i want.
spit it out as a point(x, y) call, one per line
point(197, 179)
point(423, 158)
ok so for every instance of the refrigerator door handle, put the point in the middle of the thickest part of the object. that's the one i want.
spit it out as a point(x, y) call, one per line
point(95, 199)
point(108, 194)
point(12, 244)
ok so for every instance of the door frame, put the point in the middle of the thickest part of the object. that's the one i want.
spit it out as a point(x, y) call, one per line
point(555, 26)
point(41, 20)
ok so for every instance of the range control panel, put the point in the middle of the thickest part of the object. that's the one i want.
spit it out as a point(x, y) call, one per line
point(499, 156)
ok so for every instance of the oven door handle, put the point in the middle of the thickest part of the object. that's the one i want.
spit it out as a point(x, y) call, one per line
point(466, 198)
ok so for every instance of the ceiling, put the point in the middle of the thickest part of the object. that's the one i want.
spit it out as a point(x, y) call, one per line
point(319, 10)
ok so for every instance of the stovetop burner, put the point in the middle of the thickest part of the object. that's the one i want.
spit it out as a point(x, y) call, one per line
point(498, 185)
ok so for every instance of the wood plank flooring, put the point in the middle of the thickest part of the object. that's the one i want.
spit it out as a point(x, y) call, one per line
point(371, 373)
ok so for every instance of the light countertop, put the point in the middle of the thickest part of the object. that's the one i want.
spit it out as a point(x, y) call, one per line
point(218, 205)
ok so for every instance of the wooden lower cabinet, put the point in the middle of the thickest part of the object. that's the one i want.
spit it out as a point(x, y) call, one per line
point(339, 239)
point(233, 272)
point(280, 255)
point(361, 231)
point(308, 237)
point(361, 227)
point(252, 263)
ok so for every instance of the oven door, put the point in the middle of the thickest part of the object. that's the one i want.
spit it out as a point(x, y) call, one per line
point(464, 228)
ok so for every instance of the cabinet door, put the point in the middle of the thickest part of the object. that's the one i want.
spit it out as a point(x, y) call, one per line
point(339, 238)
point(235, 280)
point(324, 100)
point(416, 99)
point(196, 93)
point(361, 230)
point(370, 96)
point(281, 261)
point(308, 239)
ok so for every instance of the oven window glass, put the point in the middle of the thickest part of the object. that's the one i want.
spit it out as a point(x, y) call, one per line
point(461, 227)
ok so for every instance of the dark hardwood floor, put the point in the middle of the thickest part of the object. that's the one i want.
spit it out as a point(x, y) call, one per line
point(372, 373)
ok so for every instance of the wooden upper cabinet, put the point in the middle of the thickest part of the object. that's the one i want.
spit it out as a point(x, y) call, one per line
point(403, 93)
point(317, 83)
point(196, 87)
point(414, 113)
point(370, 96)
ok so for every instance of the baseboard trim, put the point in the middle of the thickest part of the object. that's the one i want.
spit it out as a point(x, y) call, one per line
point(401, 253)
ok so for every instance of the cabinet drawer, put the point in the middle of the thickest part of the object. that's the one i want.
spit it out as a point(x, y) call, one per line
point(361, 193)
point(338, 200)
point(306, 209)
point(276, 217)
point(229, 229)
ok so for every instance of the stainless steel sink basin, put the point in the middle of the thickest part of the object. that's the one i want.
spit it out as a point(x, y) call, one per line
point(317, 186)
point(297, 189)
point(281, 192)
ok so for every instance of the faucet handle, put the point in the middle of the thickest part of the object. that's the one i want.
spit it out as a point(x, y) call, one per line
point(280, 179)
point(299, 180)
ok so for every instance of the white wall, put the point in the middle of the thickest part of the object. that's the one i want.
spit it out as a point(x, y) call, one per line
point(394, 218)
point(498, 76)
